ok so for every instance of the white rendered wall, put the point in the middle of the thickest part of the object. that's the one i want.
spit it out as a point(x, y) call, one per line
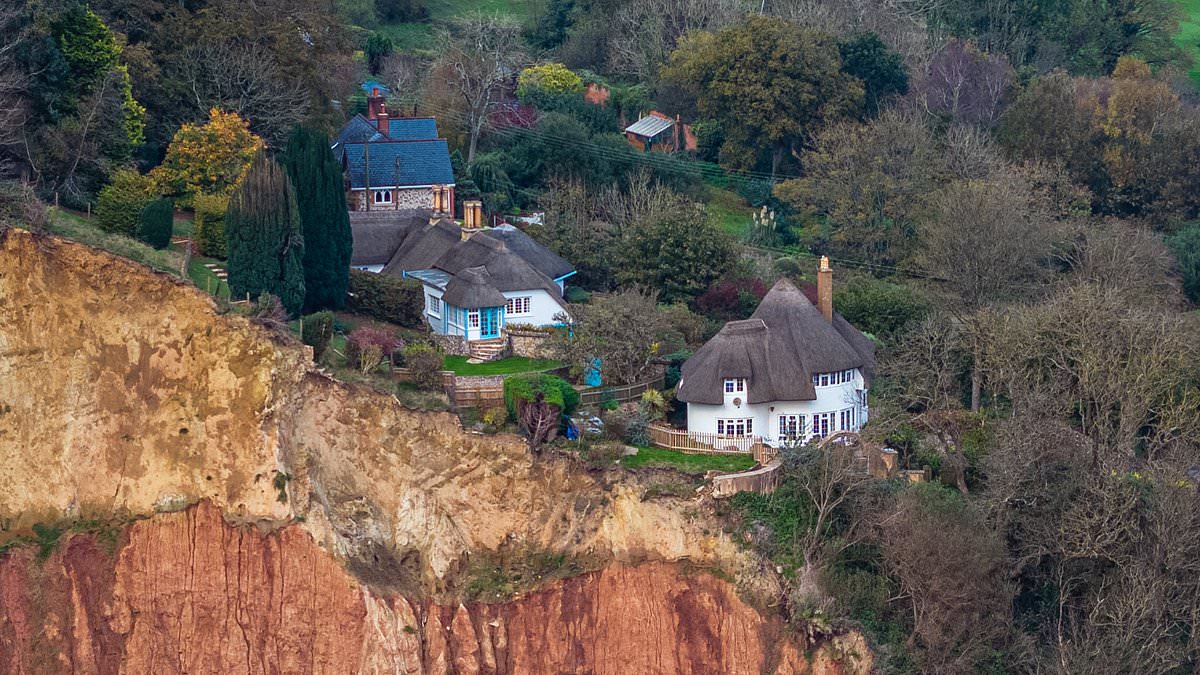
point(830, 399)
point(542, 308)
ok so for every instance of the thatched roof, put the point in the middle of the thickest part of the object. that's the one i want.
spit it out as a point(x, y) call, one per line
point(778, 349)
point(423, 247)
point(472, 288)
point(379, 234)
point(541, 258)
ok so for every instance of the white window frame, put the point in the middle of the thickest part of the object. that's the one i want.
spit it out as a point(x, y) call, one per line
point(383, 196)
point(519, 306)
point(473, 318)
point(735, 385)
point(823, 424)
point(736, 427)
point(433, 305)
point(791, 427)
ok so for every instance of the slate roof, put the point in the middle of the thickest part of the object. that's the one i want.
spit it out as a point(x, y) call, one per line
point(412, 128)
point(358, 130)
point(543, 259)
point(378, 234)
point(778, 349)
point(398, 163)
point(649, 126)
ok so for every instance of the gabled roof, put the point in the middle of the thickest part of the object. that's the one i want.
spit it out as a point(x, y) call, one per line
point(358, 130)
point(507, 270)
point(379, 234)
point(398, 163)
point(778, 349)
point(649, 126)
point(543, 259)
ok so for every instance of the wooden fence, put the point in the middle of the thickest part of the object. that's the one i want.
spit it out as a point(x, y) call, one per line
point(476, 395)
point(622, 394)
point(710, 444)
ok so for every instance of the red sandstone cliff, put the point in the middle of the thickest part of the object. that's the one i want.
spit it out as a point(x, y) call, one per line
point(188, 593)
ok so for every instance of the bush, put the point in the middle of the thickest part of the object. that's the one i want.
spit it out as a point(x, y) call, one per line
point(367, 347)
point(120, 204)
point(425, 362)
point(731, 299)
point(317, 331)
point(1186, 247)
point(210, 224)
point(880, 308)
point(386, 298)
point(627, 424)
point(157, 221)
point(525, 387)
point(495, 417)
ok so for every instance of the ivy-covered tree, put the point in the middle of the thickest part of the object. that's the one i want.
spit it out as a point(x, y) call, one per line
point(881, 70)
point(262, 232)
point(317, 179)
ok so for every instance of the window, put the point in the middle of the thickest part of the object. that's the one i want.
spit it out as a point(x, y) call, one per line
point(735, 427)
point(383, 196)
point(844, 423)
point(791, 427)
point(825, 380)
point(433, 304)
point(473, 318)
point(820, 424)
point(735, 385)
point(518, 305)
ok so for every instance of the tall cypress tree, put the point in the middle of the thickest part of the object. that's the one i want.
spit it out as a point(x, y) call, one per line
point(262, 232)
point(317, 178)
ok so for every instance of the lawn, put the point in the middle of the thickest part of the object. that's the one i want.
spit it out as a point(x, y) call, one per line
point(76, 227)
point(420, 37)
point(1188, 37)
point(729, 212)
point(516, 364)
point(658, 457)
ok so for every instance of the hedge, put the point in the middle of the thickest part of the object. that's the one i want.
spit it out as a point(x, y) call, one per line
point(157, 221)
point(386, 298)
point(119, 205)
point(210, 224)
point(525, 386)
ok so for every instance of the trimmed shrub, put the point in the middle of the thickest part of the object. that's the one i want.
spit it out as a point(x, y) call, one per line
point(425, 362)
point(210, 224)
point(524, 387)
point(366, 348)
point(317, 332)
point(120, 204)
point(386, 298)
point(157, 221)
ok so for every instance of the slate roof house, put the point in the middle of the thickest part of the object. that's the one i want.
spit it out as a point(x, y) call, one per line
point(476, 282)
point(394, 162)
point(792, 372)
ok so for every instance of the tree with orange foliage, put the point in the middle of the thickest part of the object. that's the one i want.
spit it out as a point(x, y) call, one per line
point(210, 158)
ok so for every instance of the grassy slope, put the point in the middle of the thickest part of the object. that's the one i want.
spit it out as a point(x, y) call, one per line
point(1188, 36)
point(648, 456)
point(516, 364)
point(415, 37)
point(729, 211)
point(74, 226)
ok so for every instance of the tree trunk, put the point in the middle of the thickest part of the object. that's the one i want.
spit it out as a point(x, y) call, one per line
point(976, 375)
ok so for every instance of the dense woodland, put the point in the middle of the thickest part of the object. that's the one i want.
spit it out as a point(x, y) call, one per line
point(1009, 189)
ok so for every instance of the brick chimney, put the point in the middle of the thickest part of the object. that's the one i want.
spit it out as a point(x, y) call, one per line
point(375, 103)
point(382, 118)
point(825, 289)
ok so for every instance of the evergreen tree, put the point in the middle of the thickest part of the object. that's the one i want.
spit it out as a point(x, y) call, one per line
point(157, 220)
point(317, 179)
point(262, 232)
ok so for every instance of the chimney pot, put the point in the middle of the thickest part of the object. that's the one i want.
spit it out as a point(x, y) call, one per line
point(825, 289)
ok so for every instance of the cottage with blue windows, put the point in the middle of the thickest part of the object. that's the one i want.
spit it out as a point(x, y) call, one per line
point(394, 163)
point(792, 372)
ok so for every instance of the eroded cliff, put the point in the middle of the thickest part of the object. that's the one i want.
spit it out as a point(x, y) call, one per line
point(125, 391)
point(188, 593)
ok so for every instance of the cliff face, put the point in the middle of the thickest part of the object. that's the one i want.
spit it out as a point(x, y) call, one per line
point(188, 593)
point(124, 391)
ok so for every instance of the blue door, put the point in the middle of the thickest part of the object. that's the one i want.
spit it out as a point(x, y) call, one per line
point(489, 322)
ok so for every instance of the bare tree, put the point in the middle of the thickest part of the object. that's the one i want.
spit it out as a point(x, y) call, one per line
point(13, 82)
point(480, 58)
point(244, 79)
point(831, 473)
point(539, 419)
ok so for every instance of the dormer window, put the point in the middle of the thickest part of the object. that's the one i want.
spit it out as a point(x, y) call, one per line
point(735, 385)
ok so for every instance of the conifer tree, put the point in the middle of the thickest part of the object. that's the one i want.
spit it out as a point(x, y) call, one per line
point(262, 232)
point(317, 179)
